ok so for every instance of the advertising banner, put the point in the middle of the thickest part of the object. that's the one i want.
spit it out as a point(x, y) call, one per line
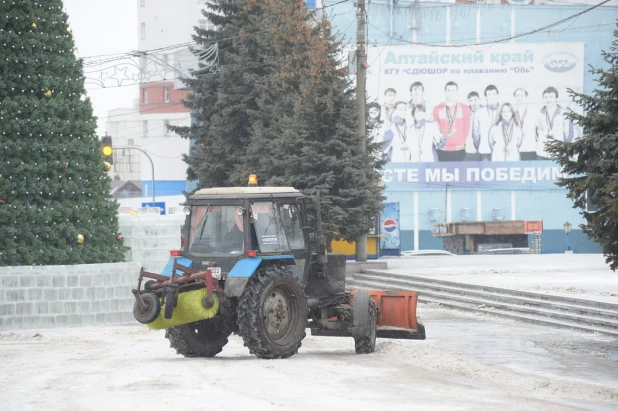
point(390, 243)
point(472, 116)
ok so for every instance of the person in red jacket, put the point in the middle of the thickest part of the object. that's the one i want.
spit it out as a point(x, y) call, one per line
point(453, 119)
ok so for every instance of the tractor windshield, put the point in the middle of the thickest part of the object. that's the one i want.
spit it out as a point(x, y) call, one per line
point(216, 231)
point(277, 227)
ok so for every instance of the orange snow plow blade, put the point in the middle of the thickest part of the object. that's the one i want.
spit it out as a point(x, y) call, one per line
point(397, 314)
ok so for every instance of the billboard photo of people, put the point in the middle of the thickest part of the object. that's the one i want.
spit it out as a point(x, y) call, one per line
point(497, 104)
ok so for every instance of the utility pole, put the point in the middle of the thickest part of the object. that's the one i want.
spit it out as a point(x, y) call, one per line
point(361, 57)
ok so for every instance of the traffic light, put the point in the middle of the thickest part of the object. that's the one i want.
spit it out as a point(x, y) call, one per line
point(107, 149)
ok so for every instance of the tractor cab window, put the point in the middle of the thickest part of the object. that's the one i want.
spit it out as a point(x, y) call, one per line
point(277, 226)
point(216, 231)
point(290, 221)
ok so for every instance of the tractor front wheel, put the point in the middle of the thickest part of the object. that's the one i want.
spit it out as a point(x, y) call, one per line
point(367, 344)
point(204, 338)
point(272, 313)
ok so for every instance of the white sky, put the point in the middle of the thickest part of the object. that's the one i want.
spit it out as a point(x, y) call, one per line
point(105, 27)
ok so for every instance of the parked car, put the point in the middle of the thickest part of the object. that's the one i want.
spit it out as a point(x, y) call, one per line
point(499, 251)
point(422, 253)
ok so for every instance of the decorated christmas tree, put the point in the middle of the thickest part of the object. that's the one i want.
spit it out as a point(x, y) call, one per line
point(55, 204)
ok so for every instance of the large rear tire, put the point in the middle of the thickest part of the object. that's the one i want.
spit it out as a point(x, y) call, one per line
point(272, 313)
point(204, 338)
point(367, 344)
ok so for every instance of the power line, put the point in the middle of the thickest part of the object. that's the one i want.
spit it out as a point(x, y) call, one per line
point(574, 16)
point(141, 111)
point(568, 28)
point(186, 44)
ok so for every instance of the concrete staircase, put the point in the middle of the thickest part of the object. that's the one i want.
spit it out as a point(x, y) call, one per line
point(565, 312)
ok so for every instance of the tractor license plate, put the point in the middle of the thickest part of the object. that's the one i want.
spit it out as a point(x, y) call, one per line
point(216, 272)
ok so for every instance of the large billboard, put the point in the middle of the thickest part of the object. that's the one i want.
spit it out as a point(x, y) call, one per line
point(472, 116)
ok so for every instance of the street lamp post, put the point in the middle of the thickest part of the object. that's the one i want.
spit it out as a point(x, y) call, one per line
point(151, 166)
point(567, 231)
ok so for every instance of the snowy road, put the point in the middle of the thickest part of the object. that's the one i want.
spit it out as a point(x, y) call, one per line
point(467, 362)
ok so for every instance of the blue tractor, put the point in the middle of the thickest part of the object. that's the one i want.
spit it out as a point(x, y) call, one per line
point(252, 265)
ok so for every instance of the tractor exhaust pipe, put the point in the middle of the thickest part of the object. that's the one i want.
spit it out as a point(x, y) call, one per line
point(321, 238)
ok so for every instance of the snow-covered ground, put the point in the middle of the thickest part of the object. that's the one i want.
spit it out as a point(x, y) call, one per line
point(576, 275)
point(469, 361)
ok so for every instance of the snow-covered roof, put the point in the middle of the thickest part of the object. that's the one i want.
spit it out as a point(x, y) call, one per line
point(246, 190)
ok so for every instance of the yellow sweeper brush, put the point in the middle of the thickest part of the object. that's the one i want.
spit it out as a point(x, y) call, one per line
point(189, 309)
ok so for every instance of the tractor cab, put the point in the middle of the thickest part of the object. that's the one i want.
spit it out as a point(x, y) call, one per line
point(226, 225)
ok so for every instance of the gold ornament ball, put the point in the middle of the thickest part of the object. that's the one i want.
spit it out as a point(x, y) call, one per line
point(33, 25)
point(69, 30)
point(107, 166)
point(47, 93)
point(80, 238)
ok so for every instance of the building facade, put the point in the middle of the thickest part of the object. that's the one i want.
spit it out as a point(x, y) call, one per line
point(462, 95)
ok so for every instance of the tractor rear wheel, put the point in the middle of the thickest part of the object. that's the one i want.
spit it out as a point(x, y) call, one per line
point(367, 344)
point(204, 338)
point(272, 313)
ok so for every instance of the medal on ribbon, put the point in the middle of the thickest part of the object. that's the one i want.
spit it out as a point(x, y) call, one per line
point(507, 134)
point(522, 118)
point(550, 122)
point(420, 141)
point(402, 136)
point(451, 117)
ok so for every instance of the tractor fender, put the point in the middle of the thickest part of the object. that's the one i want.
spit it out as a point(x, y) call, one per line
point(361, 319)
point(167, 270)
point(241, 272)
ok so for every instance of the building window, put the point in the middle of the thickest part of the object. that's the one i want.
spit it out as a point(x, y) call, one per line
point(130, 141)
point(145, 128)
point(142, 3)
point(166, 125)
point(145, 95)
point(143, 31)
point(166, 94)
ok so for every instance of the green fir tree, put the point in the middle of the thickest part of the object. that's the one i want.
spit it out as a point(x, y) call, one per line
point(222, 96)
point(54, 190)
point(301, 123)
point(590, 164)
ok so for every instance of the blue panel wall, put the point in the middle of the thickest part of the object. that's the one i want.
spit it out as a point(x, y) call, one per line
point(463, 26)
point(495, 199)
point(554, 241)
point(460, 200)
point(426, 241)
point(396, 25)
point(164, 187)
point(553, 207)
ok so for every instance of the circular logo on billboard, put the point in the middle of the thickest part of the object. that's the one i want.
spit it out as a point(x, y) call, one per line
point(560, 62)
point(389, 225)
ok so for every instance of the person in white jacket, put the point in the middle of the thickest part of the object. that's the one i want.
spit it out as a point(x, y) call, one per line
point(525, 117)
point(417, 93)
point(472, 153)
point(423, 136)
point(505, 136)
point(485, 117)
point(552, 123)
point(398, 134)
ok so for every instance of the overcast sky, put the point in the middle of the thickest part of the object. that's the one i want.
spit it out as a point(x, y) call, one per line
point(105, 27)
